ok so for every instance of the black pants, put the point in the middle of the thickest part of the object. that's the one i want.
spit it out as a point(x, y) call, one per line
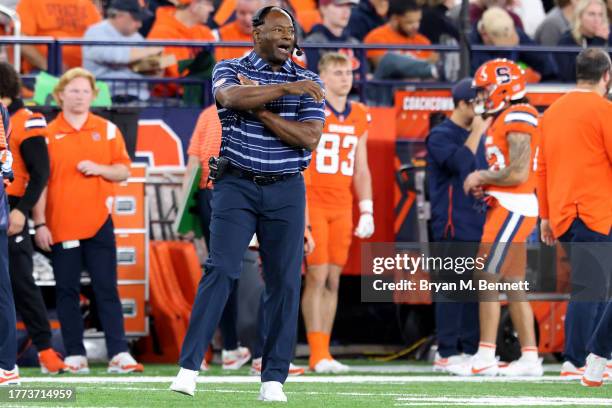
point(98, 255)
point(29, 301)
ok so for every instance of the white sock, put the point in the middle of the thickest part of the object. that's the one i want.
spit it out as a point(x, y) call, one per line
point(529, 353)
point(486, 350)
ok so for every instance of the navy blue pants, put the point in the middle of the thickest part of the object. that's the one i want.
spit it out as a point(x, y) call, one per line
point(601, 342)
point(229, 318)
point(583, 315)
point(276, 213)
point(97, 255)
point(8, 332)
point(457, 325)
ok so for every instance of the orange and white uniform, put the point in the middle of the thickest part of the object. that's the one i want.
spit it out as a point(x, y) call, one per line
point(329, 183)
point(78, 205)
point(513, 210)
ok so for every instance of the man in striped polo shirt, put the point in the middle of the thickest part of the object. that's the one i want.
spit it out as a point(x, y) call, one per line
point(272, 116)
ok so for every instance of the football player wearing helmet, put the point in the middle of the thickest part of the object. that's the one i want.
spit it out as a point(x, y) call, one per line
point(508, 188)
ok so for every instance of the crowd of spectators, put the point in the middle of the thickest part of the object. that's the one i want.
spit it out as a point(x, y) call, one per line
point(499, 23)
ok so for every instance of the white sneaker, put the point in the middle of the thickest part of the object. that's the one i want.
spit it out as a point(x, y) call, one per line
point(77, 364)
point(185, 382)
point(594, 371)
point(272, 391)
point(10, 377)
point(570, 371)
point(123, 363)
point(441, 364)
point(475, 365)
point(608, 373)
point(234, 359)
point(523, 368)
point(340, 368)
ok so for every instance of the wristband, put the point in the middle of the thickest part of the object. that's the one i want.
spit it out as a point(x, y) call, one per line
point(37, 226)
point(366, 207)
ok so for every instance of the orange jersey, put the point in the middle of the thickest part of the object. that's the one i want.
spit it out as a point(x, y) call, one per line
point(521, 118)
point(333, 162)
point(167, 27)
point(58, 19)
point(231, 32)
point(575, 162)
point(387, 35)
point(78, 205)
point(206, 140)
point(24, 124)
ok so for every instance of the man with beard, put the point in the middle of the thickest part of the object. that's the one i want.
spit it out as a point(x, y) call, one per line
point(272, 117)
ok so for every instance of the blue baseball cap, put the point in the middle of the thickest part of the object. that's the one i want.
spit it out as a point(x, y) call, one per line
point(463, 90)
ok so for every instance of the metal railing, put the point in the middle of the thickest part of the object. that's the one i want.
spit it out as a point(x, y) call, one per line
point(362, 81)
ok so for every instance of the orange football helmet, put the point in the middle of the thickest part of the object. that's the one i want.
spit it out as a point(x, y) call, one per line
point(503, 81)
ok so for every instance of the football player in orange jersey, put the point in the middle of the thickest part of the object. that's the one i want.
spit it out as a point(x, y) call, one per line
point(339, 162)
point(509, 185)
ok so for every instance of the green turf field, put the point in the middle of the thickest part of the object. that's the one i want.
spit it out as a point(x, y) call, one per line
point(375, 387)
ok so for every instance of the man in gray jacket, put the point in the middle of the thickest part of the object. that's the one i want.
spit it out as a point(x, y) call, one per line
point(124, 19)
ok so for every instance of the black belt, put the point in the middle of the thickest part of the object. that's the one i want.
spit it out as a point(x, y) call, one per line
point(258, 178)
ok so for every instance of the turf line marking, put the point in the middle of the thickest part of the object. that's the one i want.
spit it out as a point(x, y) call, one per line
point(348, 379)
point(504, 401)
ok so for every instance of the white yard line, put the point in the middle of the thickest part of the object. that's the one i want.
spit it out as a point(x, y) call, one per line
point(503, 401)
point(348, 379)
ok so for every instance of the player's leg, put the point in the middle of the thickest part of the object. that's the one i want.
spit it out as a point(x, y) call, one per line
point(600, 347)
point(232, 227)
point(314, 288)
point(8, 335)
point(281, 245)
point(340, 236)
point(30, 303)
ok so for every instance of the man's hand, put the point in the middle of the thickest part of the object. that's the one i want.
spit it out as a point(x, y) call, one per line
point(472, 184)
point(480, 125)
point(17, 221)
point(246, 81)
point(89, 168)
point(309, 242)
point(546, 233)
point(43, 238)
point(305, 87)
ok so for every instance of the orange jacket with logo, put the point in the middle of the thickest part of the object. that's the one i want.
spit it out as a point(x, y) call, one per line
point(78, 205)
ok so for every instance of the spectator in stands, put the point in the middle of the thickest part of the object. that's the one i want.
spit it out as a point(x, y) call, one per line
point(404, 19)
point(478, 8)
point(124, 19)
point(496, 27)
point(336, 15)
point(590, 28)
point(55, 18)
point(556, 23)
point(184, 22)
point(87, 155)
point(368, 15)
point(435, 22)
point(240, 30)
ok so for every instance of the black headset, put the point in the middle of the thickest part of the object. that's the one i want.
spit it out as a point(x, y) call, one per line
point(260, 18)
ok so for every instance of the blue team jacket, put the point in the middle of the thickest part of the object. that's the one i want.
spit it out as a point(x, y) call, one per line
point(454, 215)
